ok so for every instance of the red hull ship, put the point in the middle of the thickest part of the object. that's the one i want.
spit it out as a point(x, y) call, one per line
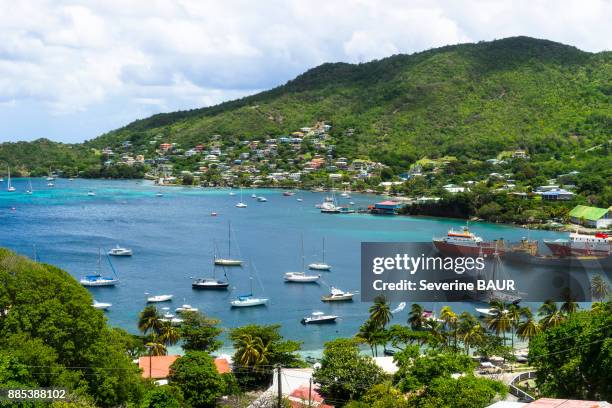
point(465, 243)
point(599, 244)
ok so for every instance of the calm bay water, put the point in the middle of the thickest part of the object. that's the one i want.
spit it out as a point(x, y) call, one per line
point(173, 239)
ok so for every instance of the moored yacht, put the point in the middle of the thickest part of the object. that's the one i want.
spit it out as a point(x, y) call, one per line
point(97, 279)
point(9, 186)
point(319, 318)
point(159, 298)
point(120, 251)
point(229, 261)
point(186, 308)
point(101, 305)
point(337, 295)
point(249, 300)
point(209, 283)
point(301, 277)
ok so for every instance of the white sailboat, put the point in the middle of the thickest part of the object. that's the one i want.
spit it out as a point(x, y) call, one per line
point(301, 277)
point(249, 300)
point(120, 251)
point(241, 204)
point(97, 279)
point(30, 190)
point(9, 187)
point(320, 266)
point(228, 261)
point(101, 305)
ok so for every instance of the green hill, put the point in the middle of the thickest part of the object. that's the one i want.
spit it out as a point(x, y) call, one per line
point(464, 100)
point(467, 101)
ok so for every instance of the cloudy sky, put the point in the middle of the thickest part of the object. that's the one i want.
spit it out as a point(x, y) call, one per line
point(71, 70)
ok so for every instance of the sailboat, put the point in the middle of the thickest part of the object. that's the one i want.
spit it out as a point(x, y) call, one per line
point(249, 300)
point(30, 190)
point(320, 266)
point(228, 261)
point(241, 204)
point(97, 279)
point(9, 187)
point(210, 283)
point(301, 277)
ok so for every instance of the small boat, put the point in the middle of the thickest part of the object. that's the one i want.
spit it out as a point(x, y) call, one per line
point(101, 305)
point(186, 308)
point(300, 200)
point(320, 266)
point(170, 318)
point(262, 199)
point(91, 193)
point(241, 204)
point(301, 277)
point(9, 187)
point(319, 318)
point(213, 214)
point(253, 195)
point(351, 203)
point(158, 194)
point(97, 279)
point(159, 298)
point(30, 190)
point(288, 193)
point(248, 300)
point(120, 251)
point(228, 261)
point(484, 312)
point(50, 184)
point(337, 295)
point(209, 283)
point(232, 193)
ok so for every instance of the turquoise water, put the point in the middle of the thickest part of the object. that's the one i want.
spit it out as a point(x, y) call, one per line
point(172, 238)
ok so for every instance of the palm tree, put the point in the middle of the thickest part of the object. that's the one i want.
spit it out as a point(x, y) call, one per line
point(472, 336)
point(149, 320)
point(249, 350)
point(367, 334)
point(156, 348)
point(168, 334)
point(450, 321)
point(465, 329)
point(552, 315)
point(415, 317)
point(498, 321)
point(569, 305)
point(380, 312)
point(436, 331)
point(599, 288)
point(528, 328)
point(514, 315)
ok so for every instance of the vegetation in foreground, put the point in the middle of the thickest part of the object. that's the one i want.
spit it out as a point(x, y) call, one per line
point(50, 336)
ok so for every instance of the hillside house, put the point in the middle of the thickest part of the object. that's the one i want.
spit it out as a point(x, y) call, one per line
point(593, 217)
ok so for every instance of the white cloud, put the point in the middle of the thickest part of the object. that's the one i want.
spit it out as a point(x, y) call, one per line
point(126, 59)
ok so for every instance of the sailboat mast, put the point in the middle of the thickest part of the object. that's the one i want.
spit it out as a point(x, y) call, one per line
point(323, 249)
point(229, 239)
point(302, 252)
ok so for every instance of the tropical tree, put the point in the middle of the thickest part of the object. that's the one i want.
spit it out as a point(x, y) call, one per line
point(380, 312)
point(528, 327)
point(156, 348)
point(599, 288)
point(250, 350)
point(415, 317)
point(552, 316)
point(200, 332)
point(514, 315)
point(149, 320)
point(499, 321)
point(471, 333)
point(450, 321)
point(169, 335)
point(369, 333)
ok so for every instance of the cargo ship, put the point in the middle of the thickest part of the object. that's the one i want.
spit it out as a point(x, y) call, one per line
point(465, 243)
point(599, 244)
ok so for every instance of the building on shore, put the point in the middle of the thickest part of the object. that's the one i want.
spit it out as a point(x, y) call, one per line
point(593, 217)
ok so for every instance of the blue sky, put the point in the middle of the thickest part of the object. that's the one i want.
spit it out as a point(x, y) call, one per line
point(72, 70)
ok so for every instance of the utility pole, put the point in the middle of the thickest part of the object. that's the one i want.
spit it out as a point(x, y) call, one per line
point(310, 392)
point(280, 386)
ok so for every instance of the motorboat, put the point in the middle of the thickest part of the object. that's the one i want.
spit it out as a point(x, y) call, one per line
point(101, 305)
point(91, 193)
point(50, 184)
point(186, 308)
point(98, 280)
point(299, 200)
point(337, 295)
point(159, 298)
point(229, 261)
point(213, 214)
point(253, 195)
point(248, 301)
point(288, 193)
point(484, 312)
point(209, 283)
point(319, 318)
point(158, 194)
point(320, 266)
point(170, 318)
point(301, 277)
point(120, 251)
point(262, 199)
